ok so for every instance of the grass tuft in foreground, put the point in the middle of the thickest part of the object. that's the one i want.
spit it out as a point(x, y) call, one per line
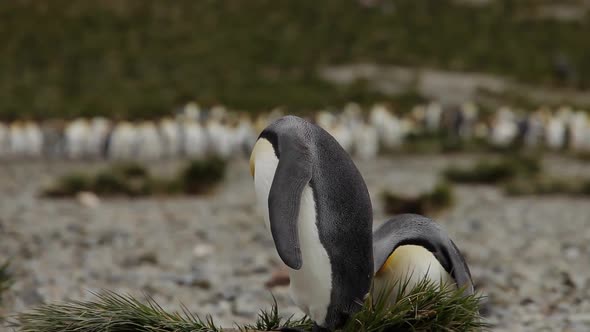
point(427, 307)
point(440, 198)
point(134, 180)
point(110, 312)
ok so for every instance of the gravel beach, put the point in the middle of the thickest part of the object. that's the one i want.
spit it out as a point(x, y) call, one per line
point(530, 256)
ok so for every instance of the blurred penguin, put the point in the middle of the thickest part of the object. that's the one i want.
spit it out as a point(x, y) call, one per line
point(76, 138)
point(388, 127)
point(555, 132)
point(366, 142)
point(244, 136)
point(149, 145)
point(578, 125)
point(99, 130)
point(433, 116)
point(171, 137)
point(122, 142)
point(4, 141)
point(469, 117)
point(34, 140)
point(504, 128)
point(194, 139)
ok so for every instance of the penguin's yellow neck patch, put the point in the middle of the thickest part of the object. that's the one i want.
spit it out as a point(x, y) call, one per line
point(386, 266)
point(402, 254)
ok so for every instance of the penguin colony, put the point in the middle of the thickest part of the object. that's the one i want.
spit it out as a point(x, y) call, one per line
point(195, 133)
point(318, 210)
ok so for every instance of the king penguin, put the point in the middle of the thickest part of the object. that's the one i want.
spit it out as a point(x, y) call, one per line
point(317, 207)
point(409, 248)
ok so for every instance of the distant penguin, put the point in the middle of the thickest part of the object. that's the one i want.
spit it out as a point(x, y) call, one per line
point(433, 116)
point(149, 144)
point(578, 125)
point(171, 137)
point(220, 139)
point(4, 141)
point(34, 138)
point(534, 130)
point(99, 130)
point(76, 136)
point(122, 143)
point(388, 127)
point(243, 136)
point(194, 139)
point(317, 207)
point(366, 142)
point(18, 141)
point(555, 133)
point(409, 248)
point(504, 128)
point(467, 127)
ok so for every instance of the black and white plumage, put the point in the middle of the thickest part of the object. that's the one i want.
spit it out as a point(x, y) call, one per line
point(318, 209)
point(410, 247)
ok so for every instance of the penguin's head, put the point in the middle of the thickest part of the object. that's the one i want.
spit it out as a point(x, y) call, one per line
point(281, 165)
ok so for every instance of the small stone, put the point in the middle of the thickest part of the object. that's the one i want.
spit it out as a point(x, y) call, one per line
point(203, 250)
point(195, 279)
point(88, 199)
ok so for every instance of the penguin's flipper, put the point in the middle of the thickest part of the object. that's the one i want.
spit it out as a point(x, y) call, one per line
point(293, 173)
point(412, 229)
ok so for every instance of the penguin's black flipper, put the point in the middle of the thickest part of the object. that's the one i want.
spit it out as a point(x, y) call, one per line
point(413, 229)
point(293, 173)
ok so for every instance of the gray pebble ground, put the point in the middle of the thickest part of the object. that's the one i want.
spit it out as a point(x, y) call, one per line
point(530, 256)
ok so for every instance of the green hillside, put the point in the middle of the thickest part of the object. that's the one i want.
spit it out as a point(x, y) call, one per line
point(140, 58)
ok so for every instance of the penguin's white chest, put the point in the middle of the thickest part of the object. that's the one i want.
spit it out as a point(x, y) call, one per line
point(411, 264)
point(311, 286)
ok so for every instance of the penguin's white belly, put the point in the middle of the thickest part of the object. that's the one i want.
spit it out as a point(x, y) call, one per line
point(311, 286)
point(409, 263)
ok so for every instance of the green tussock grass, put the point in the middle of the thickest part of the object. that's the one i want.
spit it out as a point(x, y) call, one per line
point(495, 171)
point(134, 180)
point(427, 307)
point(139, 59)
point(441, 197)
point(5, 279)
point(110, 312)
point(548, 185)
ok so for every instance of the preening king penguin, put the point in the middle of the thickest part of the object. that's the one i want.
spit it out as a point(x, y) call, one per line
point(410, 247)
point(318, 209)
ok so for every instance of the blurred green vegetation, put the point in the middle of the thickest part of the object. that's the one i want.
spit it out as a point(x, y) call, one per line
point(134, 180)
point(496, 171)
point(440, 198)
point(6, 281)
point(548, 185)
point(138, 59)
